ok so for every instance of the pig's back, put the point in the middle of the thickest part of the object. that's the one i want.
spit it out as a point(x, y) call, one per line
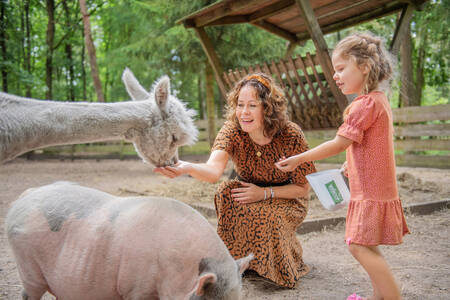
point(60, 232)
point(88, 244)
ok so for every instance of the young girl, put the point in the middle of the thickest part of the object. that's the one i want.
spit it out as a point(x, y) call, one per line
point(375, 214)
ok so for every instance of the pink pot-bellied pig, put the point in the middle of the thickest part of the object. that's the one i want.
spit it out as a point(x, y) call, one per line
point(81, 243)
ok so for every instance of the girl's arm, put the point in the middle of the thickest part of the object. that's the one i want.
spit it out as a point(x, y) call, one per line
point(324, 150)
point(209, 171)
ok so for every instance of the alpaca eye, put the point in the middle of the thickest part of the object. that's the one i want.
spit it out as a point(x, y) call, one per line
point(174, 139)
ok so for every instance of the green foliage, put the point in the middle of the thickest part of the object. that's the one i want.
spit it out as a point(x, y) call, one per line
point(144, 36)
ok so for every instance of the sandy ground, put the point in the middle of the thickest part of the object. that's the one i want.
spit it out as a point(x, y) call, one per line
point(421, 264)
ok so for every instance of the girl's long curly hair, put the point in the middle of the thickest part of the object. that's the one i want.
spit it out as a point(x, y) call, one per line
point(271, 96)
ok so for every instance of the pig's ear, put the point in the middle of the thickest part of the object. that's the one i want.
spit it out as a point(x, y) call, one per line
point(203, 282)
point(244, 262)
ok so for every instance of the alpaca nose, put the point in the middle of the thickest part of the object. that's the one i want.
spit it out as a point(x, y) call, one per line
point(174, 159)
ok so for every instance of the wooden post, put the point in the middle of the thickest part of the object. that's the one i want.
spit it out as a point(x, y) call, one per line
point(402, 26)
point(322, 50)
point(290, 49)
point(211, 112)
point(212, 58)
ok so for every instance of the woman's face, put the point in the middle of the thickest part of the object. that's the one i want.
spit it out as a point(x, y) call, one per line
point(249, 111)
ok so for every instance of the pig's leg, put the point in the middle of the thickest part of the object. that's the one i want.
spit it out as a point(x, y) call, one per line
point(34, 284)
point(32, 293)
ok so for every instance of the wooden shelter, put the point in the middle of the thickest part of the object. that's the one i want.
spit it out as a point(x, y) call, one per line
point(314, 100)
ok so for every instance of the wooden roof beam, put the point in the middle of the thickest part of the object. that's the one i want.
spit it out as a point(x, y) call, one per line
point(322, 53)
point(402, 25)
point(268, 11)
point(276, 30)
point(376, 13)
point(230, 20)
point(227, 9)
point(213, 59)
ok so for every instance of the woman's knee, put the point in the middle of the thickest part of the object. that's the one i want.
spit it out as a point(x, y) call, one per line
point(225, 187)
point(222, 198)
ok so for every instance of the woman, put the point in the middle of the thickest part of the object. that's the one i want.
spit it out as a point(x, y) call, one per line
point(260, 211)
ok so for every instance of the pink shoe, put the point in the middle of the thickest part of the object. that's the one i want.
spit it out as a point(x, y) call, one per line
point(355, 297)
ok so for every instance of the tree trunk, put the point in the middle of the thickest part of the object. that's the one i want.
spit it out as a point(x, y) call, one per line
point(407, 86)
point(91, 51)
point(209, 81)
point(20, 58)
point(50, 39)
point(27, 48)
point(420, 81)
point(70, 73)
point(107, 77)
point(201, 101)
point(83, 69)
point(3, 37)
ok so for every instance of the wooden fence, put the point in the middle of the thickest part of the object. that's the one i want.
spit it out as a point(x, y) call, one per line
point(422, 139)
point(310, 100)
point(422, 136)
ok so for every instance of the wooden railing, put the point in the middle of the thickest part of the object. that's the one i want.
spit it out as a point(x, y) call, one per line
point(310, 101)
point(422, 139)
point(421, 133)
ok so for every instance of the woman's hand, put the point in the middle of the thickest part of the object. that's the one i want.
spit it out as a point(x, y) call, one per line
point(248, 193)
point(344, 169)
point(180, 168)
point(288, 164)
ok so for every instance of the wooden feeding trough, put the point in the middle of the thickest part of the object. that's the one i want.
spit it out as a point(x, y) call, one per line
point(315, 102)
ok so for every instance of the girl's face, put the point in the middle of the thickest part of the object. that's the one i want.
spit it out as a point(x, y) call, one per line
point(348, 75)
point(249, 111)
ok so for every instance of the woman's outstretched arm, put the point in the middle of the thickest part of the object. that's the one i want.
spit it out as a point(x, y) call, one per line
point(209, 171)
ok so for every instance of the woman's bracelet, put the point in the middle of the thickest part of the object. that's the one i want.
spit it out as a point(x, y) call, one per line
point(272, 194)
point(265, 194)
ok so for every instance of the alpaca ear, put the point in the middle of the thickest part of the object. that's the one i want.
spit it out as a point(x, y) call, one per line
point(134, 89)
point(161, 90)
point(244, 262)
point(203, 281)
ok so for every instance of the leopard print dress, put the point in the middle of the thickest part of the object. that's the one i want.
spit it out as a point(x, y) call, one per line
point(265, 228)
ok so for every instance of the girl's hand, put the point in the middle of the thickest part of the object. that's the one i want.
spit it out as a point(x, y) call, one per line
point(344, 169)
point(248, 193)
point(180, 168)
point(288, 164)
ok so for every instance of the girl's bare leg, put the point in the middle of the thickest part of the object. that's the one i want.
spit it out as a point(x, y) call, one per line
point(373, 262)
point(376, 291)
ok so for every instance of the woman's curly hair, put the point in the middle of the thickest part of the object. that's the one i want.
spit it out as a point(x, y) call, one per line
point(271, 96)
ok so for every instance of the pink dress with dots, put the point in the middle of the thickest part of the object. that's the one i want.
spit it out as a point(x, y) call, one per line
point(375, 214)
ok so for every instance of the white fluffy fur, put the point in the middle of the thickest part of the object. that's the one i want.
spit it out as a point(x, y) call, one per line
point(156, 122)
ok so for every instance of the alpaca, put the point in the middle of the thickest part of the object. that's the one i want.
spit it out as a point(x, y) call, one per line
point(156, 122)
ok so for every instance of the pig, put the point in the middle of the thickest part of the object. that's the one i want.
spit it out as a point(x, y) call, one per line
point(81, 243)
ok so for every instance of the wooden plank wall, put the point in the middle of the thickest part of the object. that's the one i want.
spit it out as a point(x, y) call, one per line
point(310, 100)
point(416, 129)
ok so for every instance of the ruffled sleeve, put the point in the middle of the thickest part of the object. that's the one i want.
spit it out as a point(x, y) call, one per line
point(362, 114)
point(226, 138)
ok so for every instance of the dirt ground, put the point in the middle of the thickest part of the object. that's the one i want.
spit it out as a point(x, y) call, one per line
point(421, 264)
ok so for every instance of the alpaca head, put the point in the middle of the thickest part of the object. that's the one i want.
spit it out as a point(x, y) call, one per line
point(169, 123)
